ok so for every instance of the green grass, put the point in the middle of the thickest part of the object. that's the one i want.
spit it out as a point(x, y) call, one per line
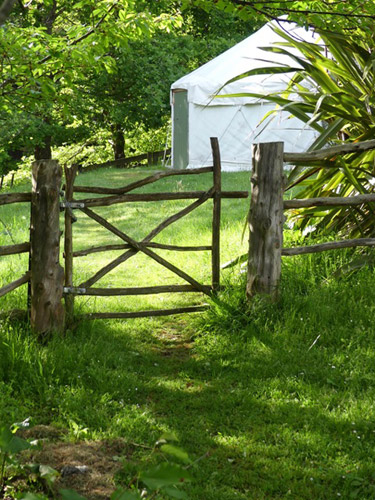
point(280, 396)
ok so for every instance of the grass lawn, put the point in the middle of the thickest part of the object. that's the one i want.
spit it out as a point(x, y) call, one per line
point(270, 401)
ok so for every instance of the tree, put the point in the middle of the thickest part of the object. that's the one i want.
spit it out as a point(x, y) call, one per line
point(135, 95)
point(46, 47)
point(71, 69)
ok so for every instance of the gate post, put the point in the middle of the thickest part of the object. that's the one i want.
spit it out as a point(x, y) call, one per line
point(47, 276)
point(70, 175)
point(216, 215)
point(266, 220)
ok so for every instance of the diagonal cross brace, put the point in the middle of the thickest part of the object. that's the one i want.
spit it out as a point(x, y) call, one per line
point(142, 248)
point(130, 253)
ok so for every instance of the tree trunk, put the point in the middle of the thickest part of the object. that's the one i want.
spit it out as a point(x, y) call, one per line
point(118, 141)
point(44, 151)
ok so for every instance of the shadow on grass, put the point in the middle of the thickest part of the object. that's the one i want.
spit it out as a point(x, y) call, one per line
point(280, 396)
point(277, 418)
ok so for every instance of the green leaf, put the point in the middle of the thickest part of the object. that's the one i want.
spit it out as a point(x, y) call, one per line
point(48, 473)
point(175, 451)
point(125, 495)
point(175, 493)
point(9, 443)
point(70, 495)
point(163, 475)
point(32, 496)
point(168, 436)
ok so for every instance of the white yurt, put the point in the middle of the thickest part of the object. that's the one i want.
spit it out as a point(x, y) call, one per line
point(197, 115)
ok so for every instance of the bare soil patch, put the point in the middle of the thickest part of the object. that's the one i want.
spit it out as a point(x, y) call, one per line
point(99, 460)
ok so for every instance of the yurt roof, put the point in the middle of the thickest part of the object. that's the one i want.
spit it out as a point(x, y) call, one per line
point(205, 81)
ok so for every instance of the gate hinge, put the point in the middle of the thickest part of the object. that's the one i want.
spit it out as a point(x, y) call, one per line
point(73, 290)
point(71, 204)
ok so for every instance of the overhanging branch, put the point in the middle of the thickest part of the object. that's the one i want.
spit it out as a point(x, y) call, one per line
point(270, 11)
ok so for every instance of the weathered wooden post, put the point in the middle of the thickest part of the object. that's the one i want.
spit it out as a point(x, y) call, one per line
point(47, 276)
point(216, 214)
point(70, 175)
point(266, 220)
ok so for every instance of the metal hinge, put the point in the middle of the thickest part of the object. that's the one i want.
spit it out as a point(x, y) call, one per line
point(71, 204)
point(76, 291)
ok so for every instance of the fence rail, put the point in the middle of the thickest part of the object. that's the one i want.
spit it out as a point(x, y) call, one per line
point(330, 245)
point(146, 290)
point(146, 314)
point(6, 199)
point(328, 153)
point(15, 249)
point(350, 201)
point(146, 246)
point(161, 246)
point(15, 284)
point(142, 182)
point(144, 197)
point(266, 217)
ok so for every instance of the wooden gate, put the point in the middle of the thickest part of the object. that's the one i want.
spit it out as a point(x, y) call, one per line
point(146, 246)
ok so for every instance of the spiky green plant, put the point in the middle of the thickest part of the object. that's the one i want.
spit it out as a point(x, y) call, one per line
point(332, 91)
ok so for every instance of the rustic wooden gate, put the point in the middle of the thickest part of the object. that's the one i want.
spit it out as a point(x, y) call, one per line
point(146, 246)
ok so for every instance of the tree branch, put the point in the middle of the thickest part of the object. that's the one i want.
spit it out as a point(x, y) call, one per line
point(87, 34)
point(263, 8)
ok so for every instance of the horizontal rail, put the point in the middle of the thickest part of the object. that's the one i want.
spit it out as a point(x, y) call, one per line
point(143, 182)
point(329, 202)
point(15, 284)
point(324, 154)
point(331, 245)
point(146, 314)
point(7, 198)
point(125, 246)
point(15, 249)
point(14, 314)
point(125, 198)
point(146, 290)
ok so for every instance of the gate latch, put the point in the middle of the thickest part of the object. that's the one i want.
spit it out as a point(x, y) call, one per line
point(75, 291)
point(71, 204)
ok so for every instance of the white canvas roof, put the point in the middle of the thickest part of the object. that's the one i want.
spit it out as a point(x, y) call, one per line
point(205, 81)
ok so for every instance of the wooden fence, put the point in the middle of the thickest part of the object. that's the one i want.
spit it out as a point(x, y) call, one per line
point(45, 275)
point(266, 216)
point(49, 282)
point(152, 159)
point(146, 246)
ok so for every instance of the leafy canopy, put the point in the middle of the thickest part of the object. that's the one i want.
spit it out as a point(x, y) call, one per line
point(46, 47)
point(352, 16)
